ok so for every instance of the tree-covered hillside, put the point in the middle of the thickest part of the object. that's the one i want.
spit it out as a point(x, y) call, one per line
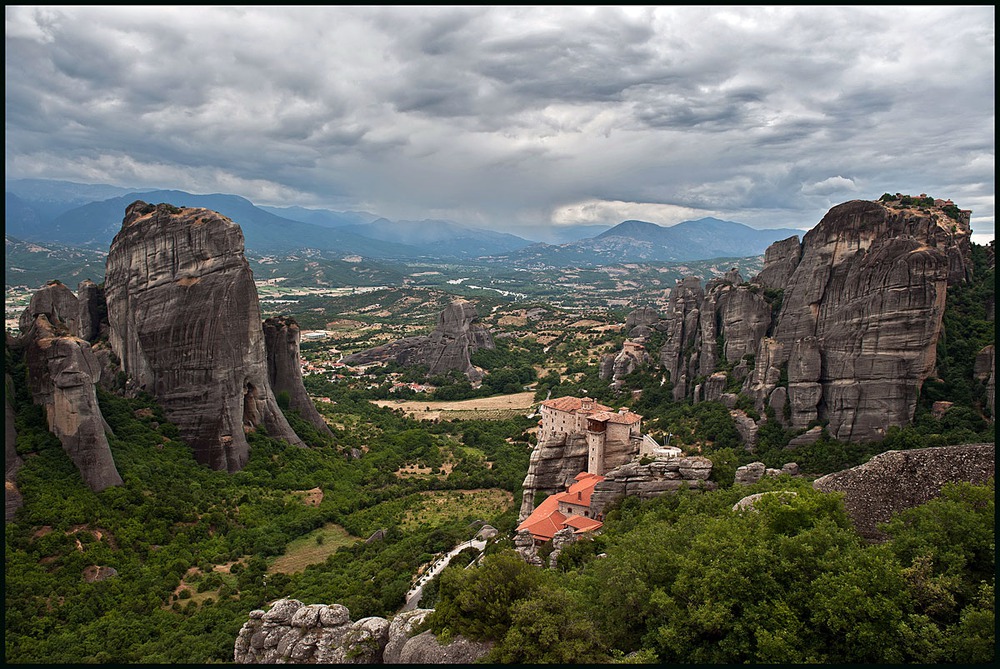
point(193, 550)
point(685, 578)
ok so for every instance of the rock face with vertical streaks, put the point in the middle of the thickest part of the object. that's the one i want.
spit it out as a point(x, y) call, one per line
point(861, 303)
point(11, 460)
point(93, 310)
point(862, 311)
point(185, 322)
point(284, 368)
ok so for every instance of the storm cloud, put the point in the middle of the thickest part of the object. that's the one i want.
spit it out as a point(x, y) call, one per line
point(512, 117)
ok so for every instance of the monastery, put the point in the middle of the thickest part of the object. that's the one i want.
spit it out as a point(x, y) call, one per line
point(613, 439)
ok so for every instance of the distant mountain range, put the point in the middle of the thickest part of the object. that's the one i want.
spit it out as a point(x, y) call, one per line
point(89, 215)
point(642, 241)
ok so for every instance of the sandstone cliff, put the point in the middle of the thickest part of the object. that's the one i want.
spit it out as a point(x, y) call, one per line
point(92, 321)
point(897, 480)
point(185, 322)
point(62, 374)
point(861, 303)
point(662, 475)
point(284, 368)
point(861, 315)
point(458, 335)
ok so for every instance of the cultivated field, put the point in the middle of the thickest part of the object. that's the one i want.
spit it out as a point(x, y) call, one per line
point(442, 506)
point(486, 408)
point(305, 551)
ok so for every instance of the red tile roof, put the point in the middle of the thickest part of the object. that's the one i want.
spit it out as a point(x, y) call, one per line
point(546, 520)
point(626, 418)
point(571, 404)
point(581, 524)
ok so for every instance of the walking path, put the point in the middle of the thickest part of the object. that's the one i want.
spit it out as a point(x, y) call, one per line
point(413, 596)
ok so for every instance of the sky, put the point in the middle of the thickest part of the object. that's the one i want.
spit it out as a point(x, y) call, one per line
point(513, 118)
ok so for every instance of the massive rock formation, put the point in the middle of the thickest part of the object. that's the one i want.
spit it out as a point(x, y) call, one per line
point(458, 335)
point(294, 633)
point(861, 302)
point(861, 315)
point(185, 321)
point(62, 374)
point(898, 480)
point(284, 368)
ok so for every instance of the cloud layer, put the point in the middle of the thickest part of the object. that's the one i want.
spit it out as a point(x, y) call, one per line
point(517, 116)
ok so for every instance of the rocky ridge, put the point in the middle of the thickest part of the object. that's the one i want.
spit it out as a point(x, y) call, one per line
point(295, 633)
point(457, 336)
point(841, 328)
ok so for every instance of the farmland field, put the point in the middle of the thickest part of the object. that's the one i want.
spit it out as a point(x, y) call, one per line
point(306, 550)
point(485, 408)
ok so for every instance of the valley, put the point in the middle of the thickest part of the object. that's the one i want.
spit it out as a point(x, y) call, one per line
point(406, 465)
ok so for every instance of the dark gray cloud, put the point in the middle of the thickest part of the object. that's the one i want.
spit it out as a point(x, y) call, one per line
point(512, 116)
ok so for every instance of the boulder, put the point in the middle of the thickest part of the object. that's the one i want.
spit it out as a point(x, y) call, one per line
point(750, 474)
point(748, 503)
point(400, 631)
point(425, 649)
point(810, 436)
point(898, 480)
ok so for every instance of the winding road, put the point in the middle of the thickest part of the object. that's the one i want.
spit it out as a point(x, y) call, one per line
point(413, 596)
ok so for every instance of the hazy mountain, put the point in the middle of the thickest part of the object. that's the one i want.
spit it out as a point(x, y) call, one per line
point(49, 198)
point(642, 241)
point(95, 225)
point(324, 217)
point(441, 238)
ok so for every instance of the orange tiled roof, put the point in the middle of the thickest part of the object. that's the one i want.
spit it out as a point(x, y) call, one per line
point(581, 524)
point(571, 404)
point(626, 418)
point(546, 519)
point(579, 493)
